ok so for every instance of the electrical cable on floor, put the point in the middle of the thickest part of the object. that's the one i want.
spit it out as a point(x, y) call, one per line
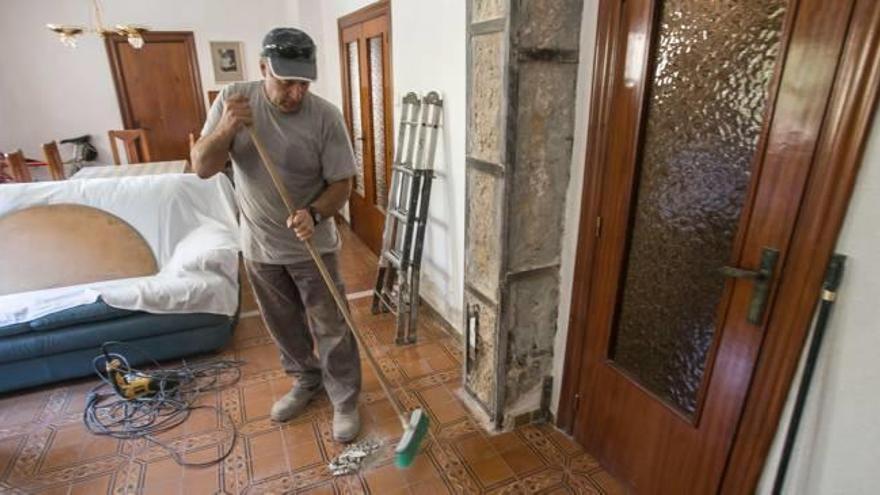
point(146, 403)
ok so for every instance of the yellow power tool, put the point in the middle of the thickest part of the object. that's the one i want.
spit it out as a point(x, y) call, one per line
point(131, 385)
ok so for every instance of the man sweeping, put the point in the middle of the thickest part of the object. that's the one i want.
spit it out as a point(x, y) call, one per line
point(307, 139)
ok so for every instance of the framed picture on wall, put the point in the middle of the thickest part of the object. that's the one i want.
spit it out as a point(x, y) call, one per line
point(227, 60)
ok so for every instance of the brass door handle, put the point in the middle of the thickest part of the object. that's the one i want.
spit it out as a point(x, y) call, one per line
point(734, 272)
point(762, 277)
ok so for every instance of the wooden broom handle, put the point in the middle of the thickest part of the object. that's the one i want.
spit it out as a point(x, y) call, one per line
point(325, 274)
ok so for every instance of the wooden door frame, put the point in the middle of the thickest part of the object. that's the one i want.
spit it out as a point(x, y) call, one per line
point(360, 16)
point(364, 14)
point(378, 9)
point(187, 37)
point(835, 162)
point(366, 127)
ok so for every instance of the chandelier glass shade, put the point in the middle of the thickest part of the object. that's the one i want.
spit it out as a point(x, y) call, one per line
point(69, 34)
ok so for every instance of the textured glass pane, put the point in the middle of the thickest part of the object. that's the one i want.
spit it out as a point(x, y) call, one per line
point(377, 101)
point(707, 96)
point(357, 130)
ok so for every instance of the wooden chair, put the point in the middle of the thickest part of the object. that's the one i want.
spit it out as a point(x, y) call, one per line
point(137, 148)
point(5, 172)
point(53, 160)
point(192, 142)
point(20, 172)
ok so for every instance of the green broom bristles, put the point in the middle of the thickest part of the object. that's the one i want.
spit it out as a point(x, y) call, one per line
point(409, 443)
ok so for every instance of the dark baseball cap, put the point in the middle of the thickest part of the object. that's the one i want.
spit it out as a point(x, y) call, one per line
point(290, 54)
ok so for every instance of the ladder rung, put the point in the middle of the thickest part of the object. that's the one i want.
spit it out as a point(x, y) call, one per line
point(410, 122)
point(388, 303)
point(399, 214)
point(405, 170)
point(385, 300)
point(392, 258)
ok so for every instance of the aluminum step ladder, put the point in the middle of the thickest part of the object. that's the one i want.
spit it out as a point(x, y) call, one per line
point(397, 280)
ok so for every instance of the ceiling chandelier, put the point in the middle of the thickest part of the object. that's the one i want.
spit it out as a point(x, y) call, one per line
point(68, 34)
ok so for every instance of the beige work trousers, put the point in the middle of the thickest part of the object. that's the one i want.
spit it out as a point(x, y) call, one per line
point(302, 317)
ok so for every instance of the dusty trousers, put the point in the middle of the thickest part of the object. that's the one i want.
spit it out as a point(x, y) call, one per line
point(301, 315)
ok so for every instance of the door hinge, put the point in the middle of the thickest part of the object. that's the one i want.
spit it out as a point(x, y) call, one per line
point(577, 403)
point(598, 226)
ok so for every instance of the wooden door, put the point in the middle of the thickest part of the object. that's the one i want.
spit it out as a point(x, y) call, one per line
point(704, 129)
point(159, 90)
point(365, 57)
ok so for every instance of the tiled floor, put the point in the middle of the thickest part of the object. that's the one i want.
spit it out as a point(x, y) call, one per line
point(45, 449)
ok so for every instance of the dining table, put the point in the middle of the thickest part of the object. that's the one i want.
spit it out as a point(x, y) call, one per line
point(40, 171)
point(147, 168)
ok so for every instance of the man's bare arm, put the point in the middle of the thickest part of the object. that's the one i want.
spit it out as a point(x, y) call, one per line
point(333, 198)
point(210, 153)
point(328, 204)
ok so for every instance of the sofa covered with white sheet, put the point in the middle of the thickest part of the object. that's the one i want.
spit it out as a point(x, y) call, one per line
point(190, 306)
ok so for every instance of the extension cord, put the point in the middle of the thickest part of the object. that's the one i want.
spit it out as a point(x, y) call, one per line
point(146, 404)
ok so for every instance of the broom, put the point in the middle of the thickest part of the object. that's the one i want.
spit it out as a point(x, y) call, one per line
point(415, 429)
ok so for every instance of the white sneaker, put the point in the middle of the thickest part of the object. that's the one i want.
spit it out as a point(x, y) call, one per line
point(293, 402)
point(346, 425)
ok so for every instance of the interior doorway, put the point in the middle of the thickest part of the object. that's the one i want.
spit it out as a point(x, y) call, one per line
point(159, 90)
point(716, 182)
point(365, 58)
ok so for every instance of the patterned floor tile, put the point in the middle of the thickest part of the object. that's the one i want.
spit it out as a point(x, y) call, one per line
point(45, 449)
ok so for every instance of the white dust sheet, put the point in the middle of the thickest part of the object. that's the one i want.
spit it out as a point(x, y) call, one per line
point(190, 224)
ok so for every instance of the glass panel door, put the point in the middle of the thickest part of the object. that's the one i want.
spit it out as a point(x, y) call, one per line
point(365, 45)
point(377, 103)
point(706, 102)
point(357, 129)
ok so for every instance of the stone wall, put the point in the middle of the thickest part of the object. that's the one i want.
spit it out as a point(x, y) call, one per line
point(522, 61)
point(487, 45)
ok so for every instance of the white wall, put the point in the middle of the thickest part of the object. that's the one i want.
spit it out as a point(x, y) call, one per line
point(838, 445)
point(573, 195)
point(319, 20)
point(428, 53)
point(48, 91)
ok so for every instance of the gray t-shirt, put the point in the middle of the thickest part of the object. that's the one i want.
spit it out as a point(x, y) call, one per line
point(310, 147)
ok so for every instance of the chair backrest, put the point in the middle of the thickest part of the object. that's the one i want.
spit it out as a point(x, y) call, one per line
point(192, 143)
point(192, 140)
point(53, 160)
point(17, 165)
point(137, 148)
point(5, 172)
